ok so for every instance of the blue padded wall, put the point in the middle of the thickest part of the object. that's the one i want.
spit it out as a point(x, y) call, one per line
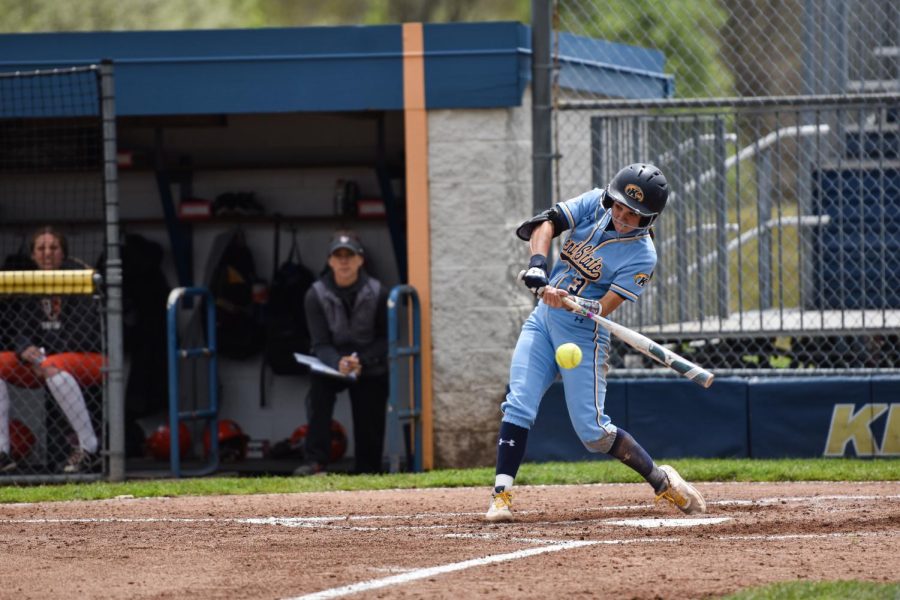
point(790, 418)
point(758, 418)
point(678, 418)
point(887, 390)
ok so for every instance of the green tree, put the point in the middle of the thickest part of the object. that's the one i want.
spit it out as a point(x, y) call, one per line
point(372, 12)
point(23, 16)
point(686, 31)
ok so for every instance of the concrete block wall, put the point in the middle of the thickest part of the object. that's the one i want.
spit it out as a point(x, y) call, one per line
point(480, 190)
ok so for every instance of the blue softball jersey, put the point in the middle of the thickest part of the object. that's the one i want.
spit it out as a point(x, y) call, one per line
point(594, 259)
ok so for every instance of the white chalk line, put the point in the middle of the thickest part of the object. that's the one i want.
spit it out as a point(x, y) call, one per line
point(652, 523)
point(546, 541)
point(336, 519)
point(52, 520)
point(804, 536)
point(414, 575)
point(730, 537)
point(813, 499)
point(502, 533)
point(374, 584)
point(317, 523)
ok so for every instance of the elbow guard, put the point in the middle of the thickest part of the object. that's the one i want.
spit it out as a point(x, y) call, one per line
point(560, 224)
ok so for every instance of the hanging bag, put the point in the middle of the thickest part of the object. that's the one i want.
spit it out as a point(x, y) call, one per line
point(286, 328)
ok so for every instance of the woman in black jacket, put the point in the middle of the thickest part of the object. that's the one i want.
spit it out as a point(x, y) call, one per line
point(346, 311)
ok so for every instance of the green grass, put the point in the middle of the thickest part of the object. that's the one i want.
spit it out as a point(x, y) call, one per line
point(821, 590)
point(600, 471)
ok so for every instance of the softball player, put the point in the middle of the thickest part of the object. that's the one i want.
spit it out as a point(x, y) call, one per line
point(607, 258)
point(57, 346)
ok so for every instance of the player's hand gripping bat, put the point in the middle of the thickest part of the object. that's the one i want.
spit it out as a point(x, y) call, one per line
point(646, 346)
point(642, 344)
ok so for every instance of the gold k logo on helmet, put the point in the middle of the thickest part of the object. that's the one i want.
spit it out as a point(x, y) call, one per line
point(634, 191)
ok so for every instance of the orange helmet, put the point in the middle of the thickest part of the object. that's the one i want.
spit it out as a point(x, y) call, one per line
point(159, 442)
point(338, 440)
point(232, 441)
point(21, 439)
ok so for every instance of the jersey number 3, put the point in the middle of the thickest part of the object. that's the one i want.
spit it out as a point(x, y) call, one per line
point(576, 286)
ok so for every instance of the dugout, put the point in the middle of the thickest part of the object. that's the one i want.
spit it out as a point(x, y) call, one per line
point(431, 123)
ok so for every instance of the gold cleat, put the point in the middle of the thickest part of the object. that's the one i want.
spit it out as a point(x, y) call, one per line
point(499, 510)
point(681, 493)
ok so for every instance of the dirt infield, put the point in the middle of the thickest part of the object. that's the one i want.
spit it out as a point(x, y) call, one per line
point(568, 541)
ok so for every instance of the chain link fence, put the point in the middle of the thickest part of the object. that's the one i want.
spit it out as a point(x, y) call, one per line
point(725, 48)
point(52, 314)
point(778, 128)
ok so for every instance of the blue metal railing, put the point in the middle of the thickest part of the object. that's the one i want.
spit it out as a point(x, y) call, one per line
point(406, 417)
point(176, 354)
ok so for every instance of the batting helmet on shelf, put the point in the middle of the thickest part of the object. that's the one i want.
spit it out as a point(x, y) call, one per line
point(232, 441)
point(159, 442)
point(642, 188)
point(338, 440)
point(21, 439)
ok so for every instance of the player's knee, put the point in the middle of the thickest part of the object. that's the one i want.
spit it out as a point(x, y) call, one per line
point(518, 413)
point(518, 418)
point(603, 444)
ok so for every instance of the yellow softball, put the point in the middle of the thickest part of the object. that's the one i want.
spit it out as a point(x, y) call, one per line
point(568, 355)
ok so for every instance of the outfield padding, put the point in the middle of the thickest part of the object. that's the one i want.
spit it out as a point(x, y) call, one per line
point(737, 418)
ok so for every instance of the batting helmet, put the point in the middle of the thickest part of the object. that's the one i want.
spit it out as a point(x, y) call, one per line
point(21, 439)
point(159, 442)
point(232, 441)
point(338, 440)
point(642, 188)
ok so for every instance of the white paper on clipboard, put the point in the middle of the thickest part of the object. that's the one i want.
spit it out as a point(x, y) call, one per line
point(318, 366)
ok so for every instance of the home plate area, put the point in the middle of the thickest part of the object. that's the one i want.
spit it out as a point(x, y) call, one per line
point(686, 522)
point(592, 540)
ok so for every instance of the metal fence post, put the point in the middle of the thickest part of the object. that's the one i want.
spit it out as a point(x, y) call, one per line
point(409, 418)
point(115, 344)
point(541, 109)
point(721, 204)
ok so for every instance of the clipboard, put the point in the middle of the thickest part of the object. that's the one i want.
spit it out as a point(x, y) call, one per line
point(317, 366)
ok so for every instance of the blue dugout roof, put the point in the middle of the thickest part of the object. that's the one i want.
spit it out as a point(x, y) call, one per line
point(467, 65)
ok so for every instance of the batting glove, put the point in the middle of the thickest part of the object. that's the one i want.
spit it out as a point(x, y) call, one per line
point(535, 277)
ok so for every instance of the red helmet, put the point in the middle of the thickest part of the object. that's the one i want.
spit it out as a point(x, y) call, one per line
point(338, 440)
point(21, 439)
point(159, 442)
point(232, 441)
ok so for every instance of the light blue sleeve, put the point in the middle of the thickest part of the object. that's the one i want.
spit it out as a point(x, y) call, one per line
point(580, 207)
point(634, 276)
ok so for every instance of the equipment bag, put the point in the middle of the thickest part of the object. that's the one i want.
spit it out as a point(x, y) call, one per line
point(286, 328)
point(240, 332)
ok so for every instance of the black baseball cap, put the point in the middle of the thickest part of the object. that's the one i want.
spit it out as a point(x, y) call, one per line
point(345, 240)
